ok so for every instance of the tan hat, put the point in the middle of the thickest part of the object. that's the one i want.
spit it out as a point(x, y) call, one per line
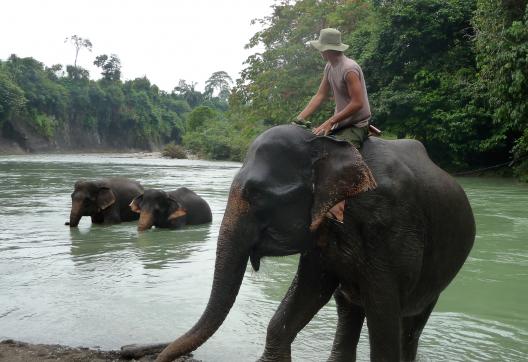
point(329, 39)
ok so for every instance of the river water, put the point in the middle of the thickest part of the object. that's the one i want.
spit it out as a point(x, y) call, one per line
point(106, 286)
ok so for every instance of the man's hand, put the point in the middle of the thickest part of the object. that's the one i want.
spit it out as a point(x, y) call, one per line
point(325, 128)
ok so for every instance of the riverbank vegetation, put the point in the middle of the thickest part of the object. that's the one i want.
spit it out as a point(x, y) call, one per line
point(451, 73)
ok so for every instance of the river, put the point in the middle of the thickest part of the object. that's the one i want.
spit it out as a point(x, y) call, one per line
point(107, 286)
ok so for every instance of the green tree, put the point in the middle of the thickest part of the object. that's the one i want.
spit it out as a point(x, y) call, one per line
point(188, 92)
point(218, 81)
point(12, 97)
point(77, 73)
point(200, 117)
point(110, 66)
point(78, 43)
point(502, 56)
point(55, 71)
point(420, 65)
point(43, 94)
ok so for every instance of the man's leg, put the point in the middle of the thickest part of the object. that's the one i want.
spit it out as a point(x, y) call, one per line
point(356, 136)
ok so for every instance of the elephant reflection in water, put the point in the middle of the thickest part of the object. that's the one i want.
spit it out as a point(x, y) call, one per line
point(154, 250)
point(408, 228)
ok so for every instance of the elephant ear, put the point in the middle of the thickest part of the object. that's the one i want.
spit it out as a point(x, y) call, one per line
point(339, 172)
point(179, 211)
point(105, 198)
point(135, 204)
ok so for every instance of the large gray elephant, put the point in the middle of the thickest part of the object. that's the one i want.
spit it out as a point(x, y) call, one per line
point(408, 228)
point(172, 209)
point(105, 201)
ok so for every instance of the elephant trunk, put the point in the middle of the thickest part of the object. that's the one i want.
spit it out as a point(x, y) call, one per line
point(146, 220)
point(75, 215)
point(231, 260)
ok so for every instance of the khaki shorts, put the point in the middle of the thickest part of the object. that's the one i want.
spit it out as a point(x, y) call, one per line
point(354, 135)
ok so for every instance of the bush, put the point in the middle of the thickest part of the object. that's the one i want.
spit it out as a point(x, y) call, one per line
point(174, 151)
point(46, 125)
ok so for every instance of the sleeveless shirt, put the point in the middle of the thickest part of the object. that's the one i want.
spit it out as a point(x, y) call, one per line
point(336, 76)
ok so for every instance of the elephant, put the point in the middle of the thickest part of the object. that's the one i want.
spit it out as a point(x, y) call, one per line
point(172, 209)
point(105, 201)
point(408, 227)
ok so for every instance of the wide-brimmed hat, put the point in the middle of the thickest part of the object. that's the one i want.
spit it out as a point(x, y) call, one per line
point(329, 39)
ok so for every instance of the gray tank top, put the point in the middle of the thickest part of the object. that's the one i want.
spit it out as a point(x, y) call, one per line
point(336, 76)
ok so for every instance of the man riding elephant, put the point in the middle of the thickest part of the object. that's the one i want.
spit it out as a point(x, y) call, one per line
point(344, 77)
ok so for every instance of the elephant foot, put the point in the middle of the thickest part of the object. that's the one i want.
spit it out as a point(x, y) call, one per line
point(136, 351)
point(276, 357)
point(342, 357)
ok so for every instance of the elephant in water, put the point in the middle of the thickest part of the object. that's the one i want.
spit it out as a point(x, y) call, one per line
point(170, 209)
point(105, 201)
point(408, 228)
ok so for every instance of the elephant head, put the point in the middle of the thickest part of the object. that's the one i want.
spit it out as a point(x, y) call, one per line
point(89, 198)
point(157, 208)
point(289, 180)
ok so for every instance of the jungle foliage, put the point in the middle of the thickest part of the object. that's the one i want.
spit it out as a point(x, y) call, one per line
point(450, 73)
point(50, 99)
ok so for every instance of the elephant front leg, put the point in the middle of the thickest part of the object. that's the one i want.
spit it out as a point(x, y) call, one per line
point(97, 218)
point(310, 290)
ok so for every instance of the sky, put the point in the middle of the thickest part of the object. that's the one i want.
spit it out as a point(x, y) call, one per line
point(164, 40)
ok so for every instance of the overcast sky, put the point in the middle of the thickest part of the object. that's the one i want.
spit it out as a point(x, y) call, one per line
point(166, 40)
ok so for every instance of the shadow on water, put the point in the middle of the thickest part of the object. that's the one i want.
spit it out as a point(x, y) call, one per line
point(155, 248)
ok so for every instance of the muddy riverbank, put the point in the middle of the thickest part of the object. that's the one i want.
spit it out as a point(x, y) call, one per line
point(16, 351)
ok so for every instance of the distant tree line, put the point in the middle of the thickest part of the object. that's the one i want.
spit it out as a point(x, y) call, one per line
point(450, 73)
point(49, 99)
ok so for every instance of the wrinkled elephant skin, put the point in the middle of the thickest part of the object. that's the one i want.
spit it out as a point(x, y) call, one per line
point(408, 228)
point(172, 209)
point(105, 201)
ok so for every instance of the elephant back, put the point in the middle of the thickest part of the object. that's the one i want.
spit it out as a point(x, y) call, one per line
point(125, 191)
point(198, 210)
point(415, 191)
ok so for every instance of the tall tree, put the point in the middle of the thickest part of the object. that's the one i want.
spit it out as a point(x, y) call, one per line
point(188, 92)
point(78, 43)
point(219, 81)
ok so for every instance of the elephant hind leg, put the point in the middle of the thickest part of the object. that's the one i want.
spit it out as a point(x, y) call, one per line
point(411, 330)
point(349, 324)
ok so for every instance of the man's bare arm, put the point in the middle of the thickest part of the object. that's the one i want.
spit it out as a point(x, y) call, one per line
point(355, 91)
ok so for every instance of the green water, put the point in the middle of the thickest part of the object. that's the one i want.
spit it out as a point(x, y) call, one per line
point(106, 286)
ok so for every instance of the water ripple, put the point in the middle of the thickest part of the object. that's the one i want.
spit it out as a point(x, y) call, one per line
point(114, 285)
